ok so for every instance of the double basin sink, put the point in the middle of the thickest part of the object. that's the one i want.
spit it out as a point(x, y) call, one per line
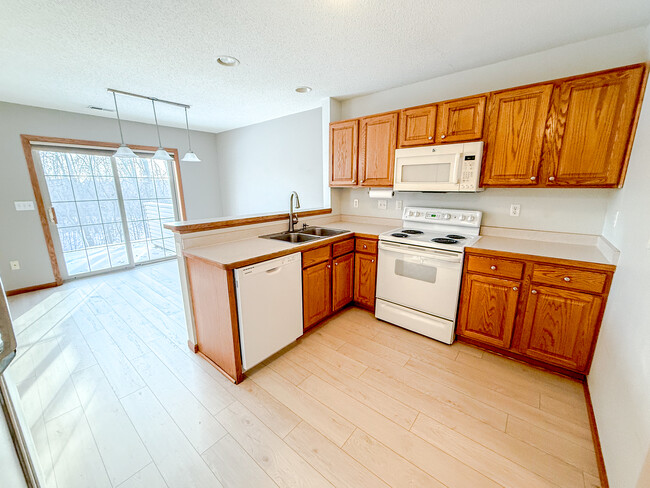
point(305, 235)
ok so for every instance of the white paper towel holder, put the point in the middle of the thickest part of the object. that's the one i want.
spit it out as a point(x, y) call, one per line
point(380, 192)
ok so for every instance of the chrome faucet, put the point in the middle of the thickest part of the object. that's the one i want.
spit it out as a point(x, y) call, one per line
point(293, 218)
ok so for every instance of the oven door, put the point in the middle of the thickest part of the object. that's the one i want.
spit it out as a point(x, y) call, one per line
point(423, 279)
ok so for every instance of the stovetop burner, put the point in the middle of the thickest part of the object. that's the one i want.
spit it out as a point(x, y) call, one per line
point(399, 234)
point(455, 236)
point(412, 231)
point(444, 240)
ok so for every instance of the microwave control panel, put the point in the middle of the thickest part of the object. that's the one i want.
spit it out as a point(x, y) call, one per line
point(470, 172)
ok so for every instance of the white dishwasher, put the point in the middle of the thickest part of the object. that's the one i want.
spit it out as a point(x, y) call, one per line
point(269, 307)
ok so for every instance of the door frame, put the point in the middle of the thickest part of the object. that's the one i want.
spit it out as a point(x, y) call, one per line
point(27, 140)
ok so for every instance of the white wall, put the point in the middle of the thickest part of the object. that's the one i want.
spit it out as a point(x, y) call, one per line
point(21, 237)
point(260, 165)
point(581, 211)
point(620, 375)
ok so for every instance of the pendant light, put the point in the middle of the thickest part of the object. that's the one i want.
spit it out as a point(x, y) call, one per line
point(160, 152)
point(123, 151)
point(189, 157)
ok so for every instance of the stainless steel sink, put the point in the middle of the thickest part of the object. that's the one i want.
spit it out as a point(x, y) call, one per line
point(293, 237)
point(322, 231)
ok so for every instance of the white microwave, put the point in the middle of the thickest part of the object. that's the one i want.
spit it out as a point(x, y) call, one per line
point(444, 168)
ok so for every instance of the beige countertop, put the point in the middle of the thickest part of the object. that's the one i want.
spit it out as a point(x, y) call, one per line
point(585, 252)
point(243, 252)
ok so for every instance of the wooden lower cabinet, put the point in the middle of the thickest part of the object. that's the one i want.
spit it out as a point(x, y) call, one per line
point(559, 326)
point(316, 293)
point(489, 309)
point(365, 278)
point(551, 316)
point(342, 281)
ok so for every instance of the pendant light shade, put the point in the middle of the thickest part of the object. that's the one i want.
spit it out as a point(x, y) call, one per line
point(123, 151)
point(189, 157)
point(160, 152)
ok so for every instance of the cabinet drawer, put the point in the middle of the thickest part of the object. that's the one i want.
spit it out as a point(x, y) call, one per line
point(366, 245)
point(341, 248)
point(572, 278)
point(315, 256)
point(495, 266)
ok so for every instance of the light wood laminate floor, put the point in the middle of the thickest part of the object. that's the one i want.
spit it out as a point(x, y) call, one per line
point(115, 398)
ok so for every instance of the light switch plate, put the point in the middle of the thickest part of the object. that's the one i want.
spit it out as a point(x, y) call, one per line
point(24, 205)
point(398, 204)
point(381, 204)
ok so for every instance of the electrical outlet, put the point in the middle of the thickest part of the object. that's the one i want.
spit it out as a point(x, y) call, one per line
point(398, 204)
point(515, 209)
point(355, 203)
point(23, 206)
point(381, 204)
point(14, 265)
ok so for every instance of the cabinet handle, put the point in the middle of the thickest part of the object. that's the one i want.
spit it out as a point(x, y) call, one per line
point(533, 178)
point(372, 260)
point(551, 178)
point(534, 292)
point(365, 247)
point(567, 279)
point(514, 288)
point(442, 136)
point(329, 265)
point(336, 264)
point(430, 137)
point(493, 268)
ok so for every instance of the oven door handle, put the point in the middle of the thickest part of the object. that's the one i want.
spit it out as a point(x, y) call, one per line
point(451, 257)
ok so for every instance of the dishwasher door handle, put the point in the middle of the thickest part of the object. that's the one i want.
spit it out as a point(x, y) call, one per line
point(273, 270)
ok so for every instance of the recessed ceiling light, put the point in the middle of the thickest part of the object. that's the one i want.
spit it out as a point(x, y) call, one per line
point(228, 61)
point(303, 89)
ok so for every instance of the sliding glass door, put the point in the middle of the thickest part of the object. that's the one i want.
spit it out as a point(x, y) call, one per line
point(106, 213)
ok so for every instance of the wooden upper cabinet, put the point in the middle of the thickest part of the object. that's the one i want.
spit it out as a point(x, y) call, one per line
point(488, 309)
point(377, 143)
point(461, 120)
point(342, 281)
point(344, 151)
point(417, 126)
point(560, 327)
point(316, 293)
point(516, 120)
point(591, 128)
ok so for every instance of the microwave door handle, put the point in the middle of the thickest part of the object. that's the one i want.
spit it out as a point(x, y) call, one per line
point(456, 169)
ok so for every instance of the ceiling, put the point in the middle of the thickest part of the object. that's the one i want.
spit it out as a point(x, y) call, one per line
point(64, 54)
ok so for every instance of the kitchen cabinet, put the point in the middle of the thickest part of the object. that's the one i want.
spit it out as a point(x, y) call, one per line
point(365, 273)
point(342, 281)
point(488, 309)
point(417, 126)
point(460, 120)
point(516, 120)
point(344, 152)
point(542, 310)
point(377, 144)
point(591, 127)
point(316, 290)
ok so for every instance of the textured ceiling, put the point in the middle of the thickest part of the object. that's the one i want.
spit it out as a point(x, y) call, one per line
point(64, 54)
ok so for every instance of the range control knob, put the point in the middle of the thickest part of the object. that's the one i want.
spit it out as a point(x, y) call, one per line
point(461, 218)
point(446, 216)
point(470, 218)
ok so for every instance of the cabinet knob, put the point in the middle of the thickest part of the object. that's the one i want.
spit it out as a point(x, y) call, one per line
point(551, 178)
point(567, 279)
point(372, 260)
point(493, 268)
point(514, 288)
point(534, 292)
point(442, 136)
point(533, 178)
point(365, 247)
point(430, 137)
point(329, 266)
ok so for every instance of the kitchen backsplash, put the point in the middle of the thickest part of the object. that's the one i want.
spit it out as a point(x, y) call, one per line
point(560, 210)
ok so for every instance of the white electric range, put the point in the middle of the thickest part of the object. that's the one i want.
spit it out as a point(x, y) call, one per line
point(419, 269)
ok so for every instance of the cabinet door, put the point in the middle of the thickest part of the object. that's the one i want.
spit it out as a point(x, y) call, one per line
point(344, 151)
point(488, 309)
point(316, 293)
point(461, 120)
point(377, 143)
point(342, 281)
point(591, 127)
point(365, 277)
point(417, 126)
point(516, 120)
point(559, 326)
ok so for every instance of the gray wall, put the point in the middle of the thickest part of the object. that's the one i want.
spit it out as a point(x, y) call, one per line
point(21, 237)
point(260, 165)
point(581, 211)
